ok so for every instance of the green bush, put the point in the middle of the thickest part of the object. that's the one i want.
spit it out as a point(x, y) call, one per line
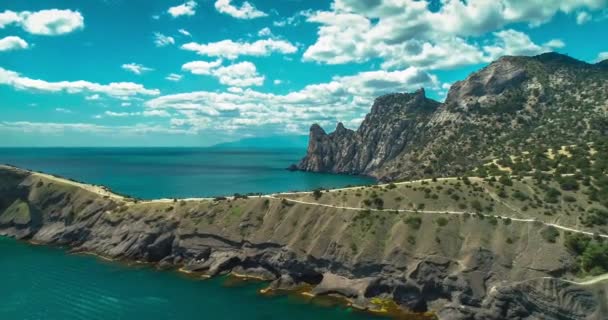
point(442, 221)
point(476, 205)
point(414, 222)
point(550, 234)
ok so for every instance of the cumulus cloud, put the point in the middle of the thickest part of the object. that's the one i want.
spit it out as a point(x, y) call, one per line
point(201, 67)
point(161, 40)
point(115, 89)
point(515, 43)
point(136, 68)
point(345, 99)
point(245, 11)
point(408, 33)
point(243, 74)
point(44, 22)
point(185, 9)
point(13, 43)
point(231, 50)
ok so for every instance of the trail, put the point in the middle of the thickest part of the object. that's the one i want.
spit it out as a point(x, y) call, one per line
point(528, 220)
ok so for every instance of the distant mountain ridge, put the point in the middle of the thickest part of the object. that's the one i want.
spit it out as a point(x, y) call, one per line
point(515, 104)
point(266, 142)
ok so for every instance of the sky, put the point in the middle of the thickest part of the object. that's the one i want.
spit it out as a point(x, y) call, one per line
point(197, 73)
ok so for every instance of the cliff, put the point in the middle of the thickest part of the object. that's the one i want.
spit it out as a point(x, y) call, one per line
point(425, 255)
point(515, 104)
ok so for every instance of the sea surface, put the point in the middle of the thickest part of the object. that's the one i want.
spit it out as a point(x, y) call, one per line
point(151, 173)
point(39, 282)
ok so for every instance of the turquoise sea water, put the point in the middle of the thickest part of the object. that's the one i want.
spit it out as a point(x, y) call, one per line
point(150, 173)
point(40, 282)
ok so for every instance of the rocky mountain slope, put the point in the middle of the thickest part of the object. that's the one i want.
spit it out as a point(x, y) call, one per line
point(515, 104)
point(455, 247)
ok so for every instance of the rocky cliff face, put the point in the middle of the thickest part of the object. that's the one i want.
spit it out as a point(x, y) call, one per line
point(463, 272)
point(513, 105)
point(394, 123)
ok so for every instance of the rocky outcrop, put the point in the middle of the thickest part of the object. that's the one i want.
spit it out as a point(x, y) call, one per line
point(461, 276)
point(387, 131)
point(498, 110)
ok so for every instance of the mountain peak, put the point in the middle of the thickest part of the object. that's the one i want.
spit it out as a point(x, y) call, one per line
point(558, 58)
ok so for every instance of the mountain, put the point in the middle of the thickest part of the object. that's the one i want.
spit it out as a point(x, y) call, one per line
point(266, 143)
point(513, 105)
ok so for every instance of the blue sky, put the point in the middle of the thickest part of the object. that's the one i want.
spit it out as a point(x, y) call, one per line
point(196, 73)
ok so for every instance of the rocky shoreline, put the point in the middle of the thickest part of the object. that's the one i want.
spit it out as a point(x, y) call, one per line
point(293, 245)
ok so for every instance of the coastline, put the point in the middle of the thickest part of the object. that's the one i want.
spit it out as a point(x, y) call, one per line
point(250, 238)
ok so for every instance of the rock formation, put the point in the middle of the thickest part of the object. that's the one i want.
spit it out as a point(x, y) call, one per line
point(513, 105)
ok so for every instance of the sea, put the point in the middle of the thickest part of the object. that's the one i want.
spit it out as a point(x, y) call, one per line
point(40, 282)
point(152, 173)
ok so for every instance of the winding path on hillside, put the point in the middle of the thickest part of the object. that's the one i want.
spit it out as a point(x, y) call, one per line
point(529, 220)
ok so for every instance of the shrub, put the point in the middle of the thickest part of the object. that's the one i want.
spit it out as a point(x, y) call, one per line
point(414, 222)
point(442, 221)
point(568, 183)
point(317, 194)
point(505, 180)
point(476, 205)
point(550, 234)
point(521, 196)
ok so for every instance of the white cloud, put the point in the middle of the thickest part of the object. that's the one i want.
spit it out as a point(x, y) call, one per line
point(185, 9)
point(201, 67)
point(246, 11)
point(601, 56)
point(44, 22)
point(243, 74)
point(62, 128)
point(174, 77)
point(156, 113)
point(161, 40)
point(146, 113)
point(232, 50)
point(63, 110)
point(125, 104)
point(408, 33)
point(185, 32)
point(12, 43)
point(583, 17)
point(344, 99)
point(277, 81)
point(515, 43)
point(294, 20)
point(115, 89)
point(265, 32)
point(136, 68)
point(93, 97)
point(9, 17)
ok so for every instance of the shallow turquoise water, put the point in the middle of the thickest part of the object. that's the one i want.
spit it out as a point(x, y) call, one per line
point(47, 283)
point(150, 173)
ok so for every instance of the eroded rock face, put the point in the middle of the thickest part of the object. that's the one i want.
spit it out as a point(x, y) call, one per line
point(292, 246)
point(512, 105)
point(386, 132)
